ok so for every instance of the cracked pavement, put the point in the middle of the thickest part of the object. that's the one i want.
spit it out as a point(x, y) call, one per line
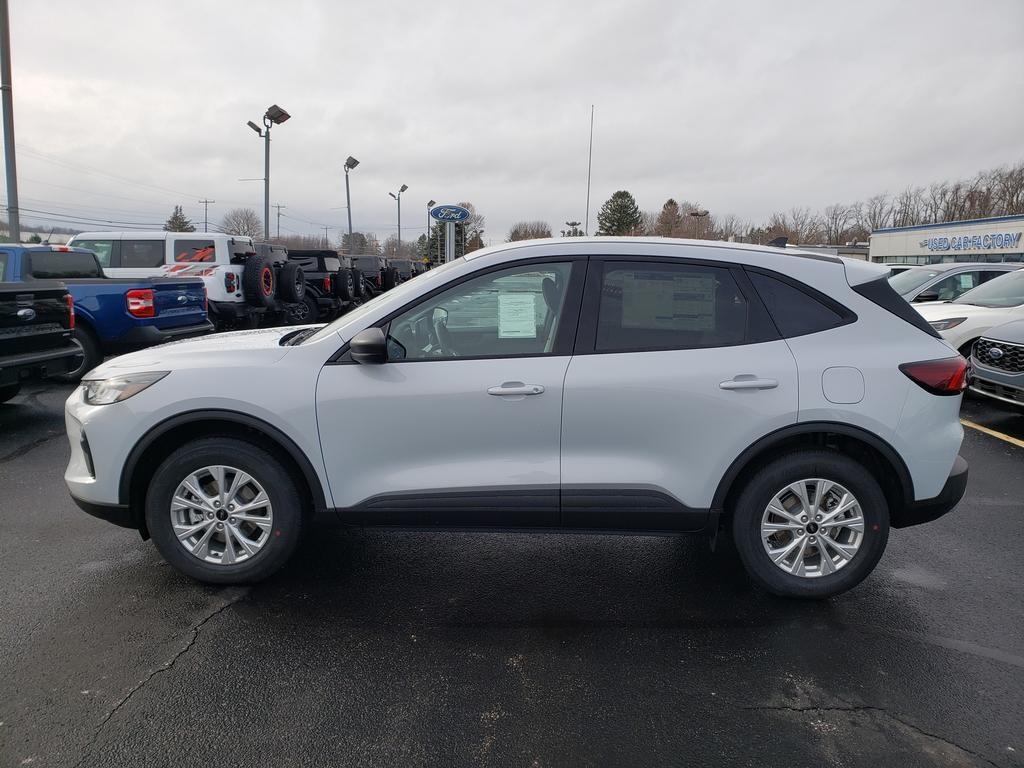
point(376, 648)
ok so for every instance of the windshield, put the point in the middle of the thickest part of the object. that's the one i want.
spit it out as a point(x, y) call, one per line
point(912, 279)
point(407, 289)
point(1004, 291)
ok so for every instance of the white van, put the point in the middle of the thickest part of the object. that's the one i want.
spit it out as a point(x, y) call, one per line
point(241, 282)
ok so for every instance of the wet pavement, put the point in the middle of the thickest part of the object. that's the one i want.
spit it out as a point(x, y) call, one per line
point(385, 648)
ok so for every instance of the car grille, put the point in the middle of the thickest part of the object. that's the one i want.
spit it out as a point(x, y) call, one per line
point(1012, 359)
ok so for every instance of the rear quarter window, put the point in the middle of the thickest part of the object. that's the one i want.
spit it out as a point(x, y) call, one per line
point(798, 309)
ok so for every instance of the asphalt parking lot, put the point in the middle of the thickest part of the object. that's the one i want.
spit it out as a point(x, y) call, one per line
point(387, 649)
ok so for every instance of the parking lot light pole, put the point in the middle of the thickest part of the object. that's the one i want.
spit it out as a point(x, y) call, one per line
point(273, 116)
point(698, 215)
point(398, 199)
point(426, 247)
point(349, 165)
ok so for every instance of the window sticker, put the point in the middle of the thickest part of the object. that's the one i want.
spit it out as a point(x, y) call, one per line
point(669, 302)
point(517, 315)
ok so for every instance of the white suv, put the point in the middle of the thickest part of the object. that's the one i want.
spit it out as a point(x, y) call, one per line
point(244, 280)
point(596, 385)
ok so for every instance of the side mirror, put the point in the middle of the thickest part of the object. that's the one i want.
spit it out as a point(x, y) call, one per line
point(927, 296)
point(369, 347)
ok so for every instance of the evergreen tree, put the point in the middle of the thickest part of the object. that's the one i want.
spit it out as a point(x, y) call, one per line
point(179, 222)
point(669, 221)
point(619, 215)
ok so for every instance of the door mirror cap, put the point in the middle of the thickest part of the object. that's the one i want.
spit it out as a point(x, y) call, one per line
point(927, 296)
point(369, 347)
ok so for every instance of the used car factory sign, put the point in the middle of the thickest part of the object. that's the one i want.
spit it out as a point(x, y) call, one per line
point(449, 213)
point(971, 242)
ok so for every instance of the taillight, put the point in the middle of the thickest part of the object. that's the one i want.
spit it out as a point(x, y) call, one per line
point(71, 310)
point(140, 303)
point(327, 284)
point(940, 377)
point(230, 284)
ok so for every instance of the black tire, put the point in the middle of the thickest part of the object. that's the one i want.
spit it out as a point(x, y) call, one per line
point(789, 468)
point(390, 278)
point(259, 283)
point(344, 285)
point(92, 354)
point(304, 312)
point(264, 467)
point(357, 284)
point(8, 391)
point(291, 282)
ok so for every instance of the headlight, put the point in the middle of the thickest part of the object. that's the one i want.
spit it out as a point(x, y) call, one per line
point(118, 388)
point(945, 325)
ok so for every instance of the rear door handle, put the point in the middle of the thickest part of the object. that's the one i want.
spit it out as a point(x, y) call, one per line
point(749, 382)
point(516, 388)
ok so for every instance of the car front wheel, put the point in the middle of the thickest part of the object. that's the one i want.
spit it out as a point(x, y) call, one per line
point(810, 524)
point(224, 511)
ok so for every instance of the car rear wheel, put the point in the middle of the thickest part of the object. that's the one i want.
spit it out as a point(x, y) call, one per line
point(810, 524)
point(91, 354)
point(224, 511)
point(8, 391)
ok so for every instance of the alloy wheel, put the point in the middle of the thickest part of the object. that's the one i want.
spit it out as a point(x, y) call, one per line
point(221, 515)
point(812, 528)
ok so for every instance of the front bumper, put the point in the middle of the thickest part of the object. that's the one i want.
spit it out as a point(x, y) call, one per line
point(118, 514)
point(999, 385)
point(926, 510)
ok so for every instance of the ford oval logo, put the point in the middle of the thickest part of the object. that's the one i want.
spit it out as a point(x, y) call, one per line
point(27, 314)
point(182, 299)
point(996, 353)
point(448, 213)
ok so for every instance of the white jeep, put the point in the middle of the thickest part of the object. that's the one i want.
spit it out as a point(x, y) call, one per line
point(244, 281)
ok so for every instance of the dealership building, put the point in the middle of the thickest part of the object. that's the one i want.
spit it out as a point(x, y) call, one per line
point(1000, 238)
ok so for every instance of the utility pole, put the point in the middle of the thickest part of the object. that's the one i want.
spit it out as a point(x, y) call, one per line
point(13, 221)
point(327, 242)
point(279, 207)
point(206, 212)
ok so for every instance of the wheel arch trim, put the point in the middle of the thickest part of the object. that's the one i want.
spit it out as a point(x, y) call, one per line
point(305, 466)
point(767, 442)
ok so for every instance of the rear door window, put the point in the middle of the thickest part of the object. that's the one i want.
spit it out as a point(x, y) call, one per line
point(954, 286)
point(195, 250)
point(648, 306)
point(798, 309)
point(142, 253)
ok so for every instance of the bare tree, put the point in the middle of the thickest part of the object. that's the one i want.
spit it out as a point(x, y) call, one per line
point(242, 221)
point(392, 250)
point(836, 223)
point(528, 230)
point(876, 213)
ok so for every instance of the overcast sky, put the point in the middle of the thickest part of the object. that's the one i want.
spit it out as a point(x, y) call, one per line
point(747, 107)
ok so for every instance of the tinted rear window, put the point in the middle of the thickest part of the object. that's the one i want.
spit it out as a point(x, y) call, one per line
point(798, 311)
point(61, 265)
point(142, 253)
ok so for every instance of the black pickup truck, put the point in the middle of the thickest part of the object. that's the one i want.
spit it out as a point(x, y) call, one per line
point(36, 321)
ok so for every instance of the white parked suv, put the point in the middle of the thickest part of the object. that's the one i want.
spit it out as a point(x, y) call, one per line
point(244, 280)
point(670, 386)
point(964, 320)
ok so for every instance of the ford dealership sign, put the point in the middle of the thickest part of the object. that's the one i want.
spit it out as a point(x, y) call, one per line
point(449, 213)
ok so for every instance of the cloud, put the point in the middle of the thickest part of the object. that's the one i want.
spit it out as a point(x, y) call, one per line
point(748, 107)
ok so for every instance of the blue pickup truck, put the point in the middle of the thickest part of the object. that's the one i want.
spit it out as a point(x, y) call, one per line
point(111, 314)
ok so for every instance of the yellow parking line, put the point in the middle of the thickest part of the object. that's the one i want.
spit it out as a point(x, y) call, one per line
point(999, 435)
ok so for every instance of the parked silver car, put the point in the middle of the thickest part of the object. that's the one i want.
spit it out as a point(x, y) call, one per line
point(998, 364)
point(945, 282)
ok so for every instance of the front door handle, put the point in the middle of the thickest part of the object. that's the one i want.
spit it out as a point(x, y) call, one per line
point(516, 388)
point(747, 381)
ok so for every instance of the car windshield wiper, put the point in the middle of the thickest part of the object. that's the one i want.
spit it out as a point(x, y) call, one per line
point(297, 337)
